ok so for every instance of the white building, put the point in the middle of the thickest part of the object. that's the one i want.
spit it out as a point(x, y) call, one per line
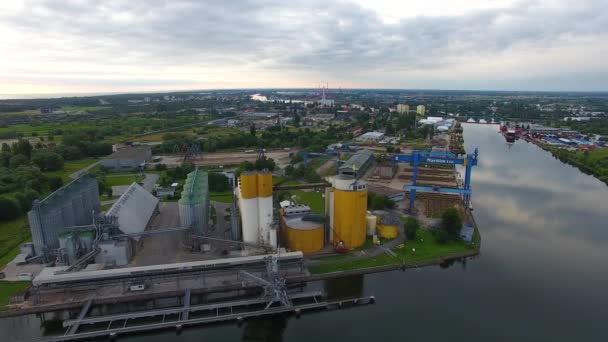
point(371, 136)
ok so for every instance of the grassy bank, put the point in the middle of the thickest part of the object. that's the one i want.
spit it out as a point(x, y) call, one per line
point(591, 162)
point(9, 288)
point(425, 246)
point(12, 234)
point(123, 180)
point(70, 167)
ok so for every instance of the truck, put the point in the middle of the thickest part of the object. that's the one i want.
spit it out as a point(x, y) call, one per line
point(137, 287)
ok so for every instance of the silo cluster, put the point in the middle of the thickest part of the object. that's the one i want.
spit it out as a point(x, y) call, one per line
point(255, 206)
point(194, 203)
point(72, 205)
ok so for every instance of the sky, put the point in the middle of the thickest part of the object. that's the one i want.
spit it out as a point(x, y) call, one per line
point(82, 46)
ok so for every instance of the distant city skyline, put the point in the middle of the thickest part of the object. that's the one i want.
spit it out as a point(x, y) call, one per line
point(81, 46)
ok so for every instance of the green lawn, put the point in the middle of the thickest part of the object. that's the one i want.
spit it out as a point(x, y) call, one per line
point(8, 288)
point(70, 167)
point(123, 180)
point(314, 199)
point(225, 197)
point(12, 234)
point(425, 246)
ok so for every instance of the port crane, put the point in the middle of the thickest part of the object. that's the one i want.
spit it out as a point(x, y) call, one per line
point(417, 157)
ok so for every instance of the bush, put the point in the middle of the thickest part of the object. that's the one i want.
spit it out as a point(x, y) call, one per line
point(18, 160)
point(379, 202)
point(47, 161)
point(451, 223)
point(218, 182)
point(411, 227)
point(9, 208)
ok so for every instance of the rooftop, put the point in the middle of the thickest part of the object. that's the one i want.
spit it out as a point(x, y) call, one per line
point(135, 152)
point(359, 159)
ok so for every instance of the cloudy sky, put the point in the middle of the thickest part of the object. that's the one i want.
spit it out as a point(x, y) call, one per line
point(72, 46)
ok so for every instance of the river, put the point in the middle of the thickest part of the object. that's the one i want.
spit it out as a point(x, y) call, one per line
point(541, 275)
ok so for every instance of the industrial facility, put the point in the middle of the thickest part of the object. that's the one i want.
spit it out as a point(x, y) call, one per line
point(74, 204)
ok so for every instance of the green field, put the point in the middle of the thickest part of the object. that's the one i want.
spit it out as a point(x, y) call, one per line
point(8, 288)
point(225, 197)
point(12, 234)
point(426, 248)
point(70, 167)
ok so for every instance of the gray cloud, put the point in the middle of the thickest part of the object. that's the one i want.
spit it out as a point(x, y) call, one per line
point(317, 36)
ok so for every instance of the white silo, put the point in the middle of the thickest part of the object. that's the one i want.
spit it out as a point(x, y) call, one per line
point(248, 206)
point(265, 212)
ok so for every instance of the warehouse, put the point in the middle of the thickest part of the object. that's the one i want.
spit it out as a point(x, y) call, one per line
point(128, 158)
point(357, 164)
point(134, 210)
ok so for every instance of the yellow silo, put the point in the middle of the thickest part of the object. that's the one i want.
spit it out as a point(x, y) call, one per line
point(302, 235)
point(349, 211)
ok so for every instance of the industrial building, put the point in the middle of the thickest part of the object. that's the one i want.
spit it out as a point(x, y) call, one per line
point(371, 137)
point(194, 203)
point(128, 158)
point(134, 210)
point(74, 204)
point(254, 193)
point(347, 211)
point(357, 164)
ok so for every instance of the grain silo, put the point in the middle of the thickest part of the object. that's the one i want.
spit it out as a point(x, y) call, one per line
point(348, 211)
point(268, 235)
point(255, 206)
point(70, 205)
point(194, 203)
point(248, 206)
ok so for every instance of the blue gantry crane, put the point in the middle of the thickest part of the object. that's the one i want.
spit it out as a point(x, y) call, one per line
point(417, 157)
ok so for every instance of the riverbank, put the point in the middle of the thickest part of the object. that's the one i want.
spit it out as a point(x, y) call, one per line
point(593, 163)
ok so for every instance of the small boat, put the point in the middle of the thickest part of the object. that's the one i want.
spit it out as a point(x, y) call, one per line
point(483, 121)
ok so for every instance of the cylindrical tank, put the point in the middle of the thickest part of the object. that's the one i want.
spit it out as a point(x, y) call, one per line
point(265, 214)
point(387, 231)
point(304, 236)
point(350, 211)
point(66, 243)
point(77, 208)
point(86, 240)
point(248, 206)
point(371, 225)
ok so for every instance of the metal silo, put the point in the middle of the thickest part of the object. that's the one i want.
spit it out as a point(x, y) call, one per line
point(77, 209)
point(86, 240)
point(194, 203)
point(265, 212)
point(349, 211)
point(248, 206)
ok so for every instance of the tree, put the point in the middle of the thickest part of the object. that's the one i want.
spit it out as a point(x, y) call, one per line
point(23, 147)
point(69, 152)
point(5, 158)
point(252, 130)
point(18, 160)
point(47, 161)
point(25, 199)
point(218, 182)
point(9, 208)
point(411, 225)
point(451, 222)
point(54, 182)
point(5, 148)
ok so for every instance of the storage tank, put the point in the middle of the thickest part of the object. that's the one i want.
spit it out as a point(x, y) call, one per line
point(371, 224)
point(77, 209)
point(68, 248)
point(86, 240)
point(303, 234)
point(248, 206)
point(350, 211)
point(194, 203)
point(265, 212)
